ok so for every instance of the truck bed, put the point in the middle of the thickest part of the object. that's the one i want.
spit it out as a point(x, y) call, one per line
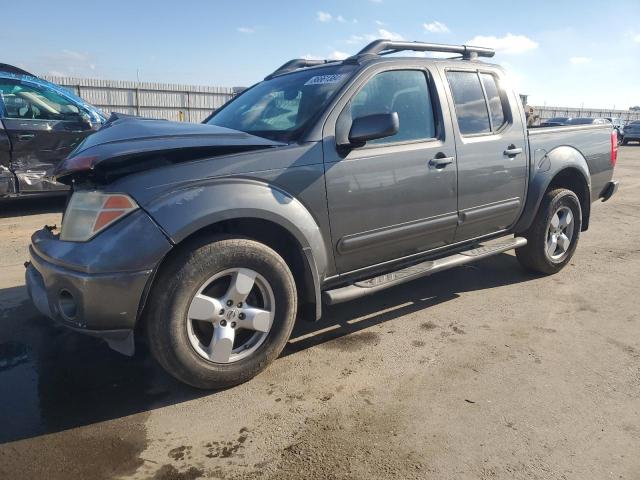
point(593, 143)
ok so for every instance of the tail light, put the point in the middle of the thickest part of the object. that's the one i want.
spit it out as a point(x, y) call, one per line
point(614, 147)
point(88, 213)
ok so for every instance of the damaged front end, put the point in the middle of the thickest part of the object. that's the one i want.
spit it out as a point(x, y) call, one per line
point(127, 145)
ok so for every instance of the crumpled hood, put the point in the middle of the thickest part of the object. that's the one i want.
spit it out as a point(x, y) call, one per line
point(127, 144)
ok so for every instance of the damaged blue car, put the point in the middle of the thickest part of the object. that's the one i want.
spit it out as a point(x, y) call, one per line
point(40, 124)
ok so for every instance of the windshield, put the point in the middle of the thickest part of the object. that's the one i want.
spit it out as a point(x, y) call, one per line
point(281, 108)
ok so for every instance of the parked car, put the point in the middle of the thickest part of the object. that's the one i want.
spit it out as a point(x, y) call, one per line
point(618, 126)
point(631, 132)
point(327, 182)
point(587, 121)
point(40, 124)
point(554, 122)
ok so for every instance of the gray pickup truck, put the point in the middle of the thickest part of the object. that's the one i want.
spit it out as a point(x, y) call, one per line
point(324, 183)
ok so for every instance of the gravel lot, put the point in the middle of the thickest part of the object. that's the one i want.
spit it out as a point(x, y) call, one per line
point(480, 372)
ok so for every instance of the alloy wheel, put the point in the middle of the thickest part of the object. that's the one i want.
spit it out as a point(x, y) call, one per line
point(231, 315)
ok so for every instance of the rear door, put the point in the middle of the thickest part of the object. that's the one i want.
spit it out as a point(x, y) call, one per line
point(491, 152)
point(389, 199)
point(43, 127)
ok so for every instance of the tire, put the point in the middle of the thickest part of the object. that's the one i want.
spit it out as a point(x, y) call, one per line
point(539, 254)
point(186, 307)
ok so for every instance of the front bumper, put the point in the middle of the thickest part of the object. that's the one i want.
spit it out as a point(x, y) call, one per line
point(631, 137)
point(97, 287)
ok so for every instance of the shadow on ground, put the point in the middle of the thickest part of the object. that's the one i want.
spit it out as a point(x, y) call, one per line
point(52, 379)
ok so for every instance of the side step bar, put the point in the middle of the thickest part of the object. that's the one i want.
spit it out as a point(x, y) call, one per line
point(381, 282)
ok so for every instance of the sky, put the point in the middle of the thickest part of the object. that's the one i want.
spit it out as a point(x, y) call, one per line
point(560, 53)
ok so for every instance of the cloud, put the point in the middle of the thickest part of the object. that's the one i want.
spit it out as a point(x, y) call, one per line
point(326, 17)
point(386, 34)
point(338, 55)
point(382, 24)
point(335, 55)
point(74, 56)
point(67, 63)
point(580, 60)
point(637, 38)
point(375, 1)
point(370, 37)
point(436, 27)
point(510, 44)
point(323, 17)
point(247, 30)
point(359, 39)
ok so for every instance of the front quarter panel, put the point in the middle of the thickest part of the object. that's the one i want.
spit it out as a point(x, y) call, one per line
point(187, 210)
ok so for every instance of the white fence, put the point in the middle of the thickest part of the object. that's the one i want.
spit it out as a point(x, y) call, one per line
point(192, 103)
point(546, 113)
point(188, 103)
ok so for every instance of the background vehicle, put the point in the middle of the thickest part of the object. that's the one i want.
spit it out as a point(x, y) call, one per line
point(631, 132)
point(554, 122)
point(40, 124)
point(618, 126)
point(587, 121)
point(327, 182)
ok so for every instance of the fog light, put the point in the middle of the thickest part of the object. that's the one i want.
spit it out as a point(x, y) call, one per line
point(67, 305)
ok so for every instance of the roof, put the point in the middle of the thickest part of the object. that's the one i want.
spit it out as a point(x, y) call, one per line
point(5, 67)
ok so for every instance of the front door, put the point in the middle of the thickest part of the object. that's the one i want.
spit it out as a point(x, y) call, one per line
point(491, 151)
point(395, 196)
point(43, 127)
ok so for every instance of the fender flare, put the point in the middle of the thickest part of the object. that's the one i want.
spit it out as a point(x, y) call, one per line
point(187, 210)
point(546, 166)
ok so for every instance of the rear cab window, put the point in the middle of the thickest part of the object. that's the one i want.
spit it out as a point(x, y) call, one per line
point(480, 103)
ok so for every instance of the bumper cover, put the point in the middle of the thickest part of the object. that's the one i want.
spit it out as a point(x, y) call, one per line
point(83, 285)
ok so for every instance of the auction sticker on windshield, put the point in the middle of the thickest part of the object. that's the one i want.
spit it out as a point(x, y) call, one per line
point(325, 79)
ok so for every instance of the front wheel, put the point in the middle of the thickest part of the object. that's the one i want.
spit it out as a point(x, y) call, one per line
point(553, 236)
point(221, 311)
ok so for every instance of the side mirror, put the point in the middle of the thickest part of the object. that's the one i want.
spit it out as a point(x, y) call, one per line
point(88, 122)
point(372, 127)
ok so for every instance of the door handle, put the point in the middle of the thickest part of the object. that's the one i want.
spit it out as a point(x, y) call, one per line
point(512, 151)
point(23, 137)
point(441, 162)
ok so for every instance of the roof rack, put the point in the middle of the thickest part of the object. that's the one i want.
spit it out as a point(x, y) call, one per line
point(295, 64)
point(5, 67)
point(384, 47)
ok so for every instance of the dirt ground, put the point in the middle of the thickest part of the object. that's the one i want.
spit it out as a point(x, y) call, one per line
point(482, 372)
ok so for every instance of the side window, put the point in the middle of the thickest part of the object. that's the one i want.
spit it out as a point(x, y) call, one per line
point(403, 91)
point(495, 99)
point(23, 101)
point(471, 107)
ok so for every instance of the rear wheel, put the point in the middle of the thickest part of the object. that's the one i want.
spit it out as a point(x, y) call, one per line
point(221, 311)
point(553, 236)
